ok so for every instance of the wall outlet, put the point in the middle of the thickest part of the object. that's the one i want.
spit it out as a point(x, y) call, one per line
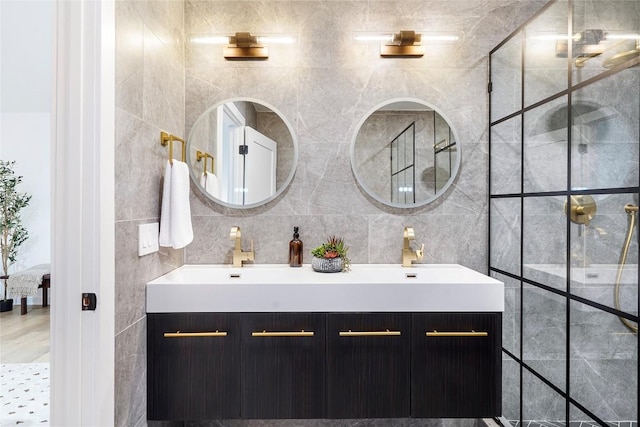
point(148, 235)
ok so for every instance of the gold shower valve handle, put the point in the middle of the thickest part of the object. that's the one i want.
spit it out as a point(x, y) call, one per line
point(583, 209)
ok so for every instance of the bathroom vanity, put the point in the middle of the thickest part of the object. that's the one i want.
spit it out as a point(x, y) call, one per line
point(270, 341)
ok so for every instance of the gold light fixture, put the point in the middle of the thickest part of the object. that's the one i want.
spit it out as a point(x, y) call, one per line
point(406, 43)
point(591, 43)
point(403, 44)
point(243, 45)
point(585, 44)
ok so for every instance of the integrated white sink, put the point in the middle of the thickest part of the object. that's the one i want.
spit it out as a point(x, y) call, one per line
point(366, 288)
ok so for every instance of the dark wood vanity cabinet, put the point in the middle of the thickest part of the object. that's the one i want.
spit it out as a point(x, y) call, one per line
point(283, 365)
point(207, 366)
point(368, 365)
point(193, 366)
point(456, 365)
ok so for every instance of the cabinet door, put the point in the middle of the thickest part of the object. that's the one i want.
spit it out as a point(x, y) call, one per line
point(193, 374)
point(283, 365)
point(368, 365)
point(456, 365)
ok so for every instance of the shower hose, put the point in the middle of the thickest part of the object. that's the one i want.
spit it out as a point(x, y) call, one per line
point(631, 211)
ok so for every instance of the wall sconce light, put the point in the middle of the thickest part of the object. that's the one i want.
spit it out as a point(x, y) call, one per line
point(403, 44)
point(591, 43)
point(243, 45)
point(406, 44)
point(585, 44)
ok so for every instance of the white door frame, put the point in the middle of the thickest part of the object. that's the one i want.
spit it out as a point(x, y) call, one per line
point(228, 116)
point(82, 259)
point(258, 166)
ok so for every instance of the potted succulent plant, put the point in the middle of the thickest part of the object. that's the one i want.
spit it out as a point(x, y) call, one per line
point(331, 256)
point(12, 232)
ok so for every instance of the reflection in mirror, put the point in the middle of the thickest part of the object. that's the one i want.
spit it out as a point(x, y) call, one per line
point(241, 153)
point(405, 153)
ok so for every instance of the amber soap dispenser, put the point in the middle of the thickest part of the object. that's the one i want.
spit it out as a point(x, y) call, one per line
point(295, 250)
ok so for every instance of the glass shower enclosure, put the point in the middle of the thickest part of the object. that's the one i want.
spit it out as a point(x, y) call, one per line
point(564, 193)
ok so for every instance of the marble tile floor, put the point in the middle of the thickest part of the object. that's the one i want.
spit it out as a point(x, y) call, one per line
point(24, 394)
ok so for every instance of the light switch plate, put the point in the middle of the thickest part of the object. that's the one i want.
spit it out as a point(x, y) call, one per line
point(148, 235)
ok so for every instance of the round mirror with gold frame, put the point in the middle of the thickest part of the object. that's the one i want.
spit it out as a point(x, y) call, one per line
point(405, 153)
point(242, 153)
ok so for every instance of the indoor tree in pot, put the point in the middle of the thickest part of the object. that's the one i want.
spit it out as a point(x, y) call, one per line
point(331, 256)
point(12, 232)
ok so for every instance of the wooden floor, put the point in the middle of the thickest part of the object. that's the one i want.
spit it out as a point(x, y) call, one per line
point(24, 339)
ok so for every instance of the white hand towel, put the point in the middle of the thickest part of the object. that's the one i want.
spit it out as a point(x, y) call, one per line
point(176, 230)
point(212, 185)
point(181, 229)
point(165, 213)
point(203, 180)
point(209, 182)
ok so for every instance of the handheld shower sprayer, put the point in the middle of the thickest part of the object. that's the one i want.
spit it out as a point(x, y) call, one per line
point(632, 211)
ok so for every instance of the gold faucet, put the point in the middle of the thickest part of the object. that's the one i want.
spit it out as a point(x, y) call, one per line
point(409, 255)
point(240, 256)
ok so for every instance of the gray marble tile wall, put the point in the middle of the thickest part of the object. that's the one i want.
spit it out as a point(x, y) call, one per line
point(323, 86)
point(149, 98)
point(603, 359)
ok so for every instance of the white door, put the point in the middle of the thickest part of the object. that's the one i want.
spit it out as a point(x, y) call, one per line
point(229, 136)
point(260, 163)
point(82, 342)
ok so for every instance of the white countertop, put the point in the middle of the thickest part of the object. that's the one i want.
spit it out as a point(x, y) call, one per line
point(366, 288)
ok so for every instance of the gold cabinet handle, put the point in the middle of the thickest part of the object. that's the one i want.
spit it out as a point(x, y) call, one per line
point(265, 333)
point(457, 334)
point(386, 333)
point(179, 334)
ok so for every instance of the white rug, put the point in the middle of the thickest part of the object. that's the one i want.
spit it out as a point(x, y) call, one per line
point(24, 394)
